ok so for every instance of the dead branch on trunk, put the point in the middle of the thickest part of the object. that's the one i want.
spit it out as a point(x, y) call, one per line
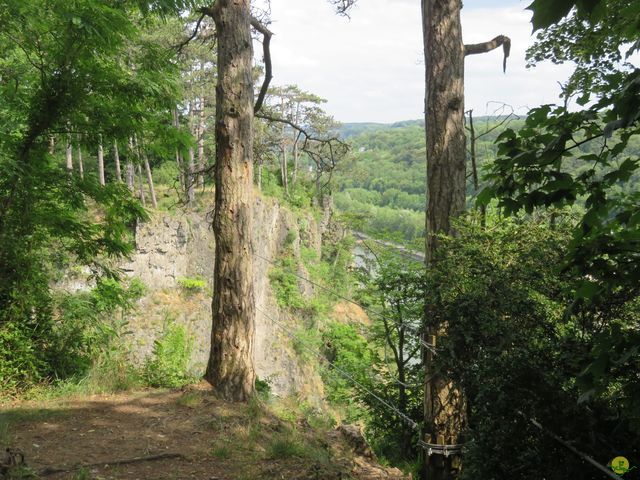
point(187, 40)
point(500, 40)
point(266, 53)
point(343, 6)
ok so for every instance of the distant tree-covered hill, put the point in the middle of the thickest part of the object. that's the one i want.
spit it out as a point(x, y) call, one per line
point(381, 184)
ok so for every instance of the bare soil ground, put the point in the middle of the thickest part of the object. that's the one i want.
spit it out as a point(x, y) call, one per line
point(90, 437)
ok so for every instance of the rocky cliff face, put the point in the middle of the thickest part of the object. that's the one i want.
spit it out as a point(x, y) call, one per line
point(172, 248)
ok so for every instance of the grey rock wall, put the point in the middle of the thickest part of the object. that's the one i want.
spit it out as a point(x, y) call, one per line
point(171, 247)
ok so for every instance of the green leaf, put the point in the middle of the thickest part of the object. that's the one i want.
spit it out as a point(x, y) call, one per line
point(548, 12)
point(485, 196)
point(587, 289)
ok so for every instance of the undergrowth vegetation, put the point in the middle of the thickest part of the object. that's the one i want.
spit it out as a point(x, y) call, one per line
point(169, 365)
point(85, 337)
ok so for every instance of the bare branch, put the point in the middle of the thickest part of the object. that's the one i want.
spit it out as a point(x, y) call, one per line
point(323, 151)
point(343, 6)
point(186, 41)
point(308, 136)
point(268, 68)
point(500, 40)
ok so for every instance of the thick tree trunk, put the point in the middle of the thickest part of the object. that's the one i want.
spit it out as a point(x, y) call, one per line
point(230, 368)
point(101, 163)
point(444, 409)
point(116, 157)
point(444, 116)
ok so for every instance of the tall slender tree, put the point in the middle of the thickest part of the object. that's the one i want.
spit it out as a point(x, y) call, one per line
point(230, 368)
point(444, 53)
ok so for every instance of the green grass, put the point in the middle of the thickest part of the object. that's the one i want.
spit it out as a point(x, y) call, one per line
point(25, 415)
point(190, 400)
point(20, 472)
point(82, 474)
point(221, 452)
point(255, 409)
point(284, 446)
point(192, 285)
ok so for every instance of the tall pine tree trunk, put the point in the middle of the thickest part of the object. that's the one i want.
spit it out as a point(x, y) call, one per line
point(80, 164)
point(283, 169)
point(444, 409)
point(259, 180)
point(284, 175)
point(141, 187)
point(444, 116)
point(230, 368)
point(116, 157)
point(201, 162)
point(143, 159)
point(296, 156)
point(131, 172)
point(152, 190)
point(181, 176)
point(69, 155)
point(191, 178)
point(101, 162)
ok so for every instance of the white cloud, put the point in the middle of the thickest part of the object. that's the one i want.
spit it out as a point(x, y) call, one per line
point(369, 68)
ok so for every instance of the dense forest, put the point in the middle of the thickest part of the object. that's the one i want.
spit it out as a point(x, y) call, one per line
point(487, 325)
point(381, 183)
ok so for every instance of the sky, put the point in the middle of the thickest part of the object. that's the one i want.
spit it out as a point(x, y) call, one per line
point(370, 67)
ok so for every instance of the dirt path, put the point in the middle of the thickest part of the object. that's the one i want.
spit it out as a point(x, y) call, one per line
point(109, 428)
point(216, 440)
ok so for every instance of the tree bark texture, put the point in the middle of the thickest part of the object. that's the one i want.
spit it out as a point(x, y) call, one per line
point(444, 409)
point(444, 116)
point(230, 369)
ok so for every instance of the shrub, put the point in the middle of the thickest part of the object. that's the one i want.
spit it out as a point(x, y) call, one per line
point(263, 387)
point(169, 365)
point(285, 446)
point(192, 285)
point(285, 284)
point(76, 338)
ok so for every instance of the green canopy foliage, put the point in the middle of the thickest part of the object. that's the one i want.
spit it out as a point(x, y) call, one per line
point(66, 67)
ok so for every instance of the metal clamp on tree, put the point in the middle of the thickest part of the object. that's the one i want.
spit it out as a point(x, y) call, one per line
point(437, 449)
